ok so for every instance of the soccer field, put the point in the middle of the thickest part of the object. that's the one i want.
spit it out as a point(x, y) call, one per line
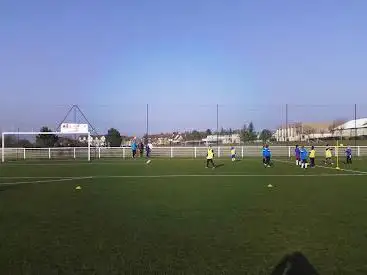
point(176, 217)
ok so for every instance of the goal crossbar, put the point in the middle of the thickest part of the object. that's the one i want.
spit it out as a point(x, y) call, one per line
point(3, 134)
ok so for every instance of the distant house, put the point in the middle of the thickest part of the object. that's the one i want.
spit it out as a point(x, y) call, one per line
point(166, 139)
point(95, 141)
point(223, 139)
point(176, 139)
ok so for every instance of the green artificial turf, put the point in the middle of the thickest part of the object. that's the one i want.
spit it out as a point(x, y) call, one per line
point(176, 217)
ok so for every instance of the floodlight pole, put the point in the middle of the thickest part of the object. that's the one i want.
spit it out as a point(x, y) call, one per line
point(286, 124)
point(89, 141)
point(355, 125)
point(2, 147)
point(147, 130)
point(217, 126)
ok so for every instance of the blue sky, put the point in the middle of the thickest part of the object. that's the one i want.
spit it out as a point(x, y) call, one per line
point(182, 57)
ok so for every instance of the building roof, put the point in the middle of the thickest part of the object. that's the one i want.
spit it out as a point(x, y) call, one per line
point(352, 124)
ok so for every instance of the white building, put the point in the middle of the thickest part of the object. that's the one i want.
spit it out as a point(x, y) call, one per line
point(352, 128)
point(302, 132)
point(223, 139)
point(307, 131)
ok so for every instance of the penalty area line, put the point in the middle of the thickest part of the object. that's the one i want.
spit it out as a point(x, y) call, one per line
point(51, 180)
point(225, 175)
point(330, 168)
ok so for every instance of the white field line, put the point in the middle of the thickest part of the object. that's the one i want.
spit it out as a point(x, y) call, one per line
point(56, 179)
point(50, 180)
point(35, 177)
point(44, 181)
point(230, 175)
point(327, 167)
point(117, 161)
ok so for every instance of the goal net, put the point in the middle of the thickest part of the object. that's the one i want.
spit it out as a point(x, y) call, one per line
point(45, 146)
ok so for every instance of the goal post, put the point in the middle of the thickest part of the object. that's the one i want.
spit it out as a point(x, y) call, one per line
point(4, 135)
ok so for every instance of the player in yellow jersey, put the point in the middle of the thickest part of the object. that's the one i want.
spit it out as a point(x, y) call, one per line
point(233, 154)
point(210, 157)
point(312, 157)
point(328, 155)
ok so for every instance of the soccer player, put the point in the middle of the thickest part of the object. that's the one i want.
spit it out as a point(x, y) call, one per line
point(233, 154)
point(297, 153)
point(312, 157)
point(304, 157)
point(348, 154)
point(266, 156)
point(328, 155)
point(134, 147)
point(148, 149)
point(141, 148)
point(210, 157)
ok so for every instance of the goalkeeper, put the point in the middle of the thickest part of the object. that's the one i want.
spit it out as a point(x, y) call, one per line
point(348, 154)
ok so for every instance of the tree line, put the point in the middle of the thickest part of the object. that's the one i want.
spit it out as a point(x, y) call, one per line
point(247, 133)
point(115, 139)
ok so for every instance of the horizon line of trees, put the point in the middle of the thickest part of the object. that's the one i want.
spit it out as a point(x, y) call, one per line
point(114, 137)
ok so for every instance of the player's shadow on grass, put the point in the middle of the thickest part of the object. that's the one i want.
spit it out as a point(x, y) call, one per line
point(219, 165)
point(294, 264)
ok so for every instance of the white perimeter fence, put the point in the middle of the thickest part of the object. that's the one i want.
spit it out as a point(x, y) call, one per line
point(159, 152)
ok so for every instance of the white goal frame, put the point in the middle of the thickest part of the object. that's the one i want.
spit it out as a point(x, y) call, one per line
point(40, 133)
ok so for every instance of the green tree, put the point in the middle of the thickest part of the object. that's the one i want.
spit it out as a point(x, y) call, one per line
point(195, 135)
point(46, 140)
point(265, 135)
point(244, 133)
point(208, 132)
point(24, 143)
point(113, 138)
point(251, 132)
point(9, 141)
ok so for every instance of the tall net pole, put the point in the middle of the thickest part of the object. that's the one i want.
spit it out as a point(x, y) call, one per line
point(217, 125)
point(89, 141)
point(147, 122)
point(355, 125)
point(286, 125)
point(2, 147)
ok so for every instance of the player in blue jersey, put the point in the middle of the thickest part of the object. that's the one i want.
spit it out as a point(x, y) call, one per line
point(297, 153)
point(304, 157)
point(348, 155)
point(134, 147)
point(266, 156)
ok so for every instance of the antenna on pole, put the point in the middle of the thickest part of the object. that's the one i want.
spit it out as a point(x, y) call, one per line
point(76, 110)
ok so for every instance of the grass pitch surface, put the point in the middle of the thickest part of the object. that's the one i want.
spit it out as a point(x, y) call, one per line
point(176, 217)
